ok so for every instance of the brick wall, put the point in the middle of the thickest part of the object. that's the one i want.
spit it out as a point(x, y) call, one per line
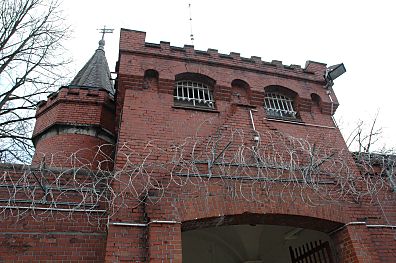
point(157, 200)
point(74, 150)
point(54, 239)
point(35, 228)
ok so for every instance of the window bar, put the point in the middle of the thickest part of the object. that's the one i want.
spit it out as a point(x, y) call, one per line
point(271, 103)
point(287, 109)
point(292, 112)
point(277, 102)
point(195, 95)
point(195, 92)
point(291, 108)
point(199, 95)
point(282, 103)
point(288, 105)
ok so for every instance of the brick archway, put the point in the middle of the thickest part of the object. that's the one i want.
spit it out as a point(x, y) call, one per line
point(343, 247)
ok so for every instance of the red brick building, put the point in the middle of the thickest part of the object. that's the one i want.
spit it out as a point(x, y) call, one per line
point(194, 156)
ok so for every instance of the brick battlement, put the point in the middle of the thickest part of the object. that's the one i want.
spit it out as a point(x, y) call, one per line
point(81, 106)
point(71, 94)
point(134, 42)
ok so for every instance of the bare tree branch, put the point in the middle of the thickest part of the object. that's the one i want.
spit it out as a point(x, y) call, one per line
point(31, 62)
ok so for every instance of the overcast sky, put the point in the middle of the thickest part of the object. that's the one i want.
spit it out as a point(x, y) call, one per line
point(361, 34)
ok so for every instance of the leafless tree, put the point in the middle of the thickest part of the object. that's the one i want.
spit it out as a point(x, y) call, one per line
point(364, 136)
point(31, 59)
point(373, 161)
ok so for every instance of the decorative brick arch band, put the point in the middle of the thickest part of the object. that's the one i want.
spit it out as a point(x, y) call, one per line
point(306, 222)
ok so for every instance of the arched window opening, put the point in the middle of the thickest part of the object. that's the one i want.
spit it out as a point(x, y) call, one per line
point(150, 78)
point(240, 91)
point(279, 102)
point(316, 99)
point(194, 90)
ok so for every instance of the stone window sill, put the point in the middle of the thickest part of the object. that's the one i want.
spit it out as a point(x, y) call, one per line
point(184, 107)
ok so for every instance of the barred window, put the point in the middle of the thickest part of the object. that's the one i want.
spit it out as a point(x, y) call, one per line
point(278, 105)
point(193, 93)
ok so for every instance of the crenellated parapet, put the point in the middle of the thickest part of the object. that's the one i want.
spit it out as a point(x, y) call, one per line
point(134, 42)
point(72, 106)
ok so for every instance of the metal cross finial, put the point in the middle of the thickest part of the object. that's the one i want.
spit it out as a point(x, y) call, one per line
point(105, 30)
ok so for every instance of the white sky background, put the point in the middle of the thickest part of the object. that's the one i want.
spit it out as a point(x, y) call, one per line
point(361, 34)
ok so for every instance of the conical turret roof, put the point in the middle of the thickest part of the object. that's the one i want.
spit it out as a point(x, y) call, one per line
point(95, 74)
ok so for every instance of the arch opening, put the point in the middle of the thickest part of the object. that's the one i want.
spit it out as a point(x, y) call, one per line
point(151, 78)
point(240, 91)
point(233, 239)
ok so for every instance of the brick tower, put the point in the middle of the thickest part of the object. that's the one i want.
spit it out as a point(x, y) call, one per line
point(75, 126)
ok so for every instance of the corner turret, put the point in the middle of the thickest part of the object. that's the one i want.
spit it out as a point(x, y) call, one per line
point(75, 126)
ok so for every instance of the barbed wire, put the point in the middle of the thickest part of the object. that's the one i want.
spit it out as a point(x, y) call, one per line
point(256, 167)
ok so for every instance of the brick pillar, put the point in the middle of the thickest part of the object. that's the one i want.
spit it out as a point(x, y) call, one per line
point(164, 240)
point(126, 244)
point(353, 244)
point(127, 233)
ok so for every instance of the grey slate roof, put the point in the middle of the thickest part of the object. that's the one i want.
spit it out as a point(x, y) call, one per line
point(95, 74)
